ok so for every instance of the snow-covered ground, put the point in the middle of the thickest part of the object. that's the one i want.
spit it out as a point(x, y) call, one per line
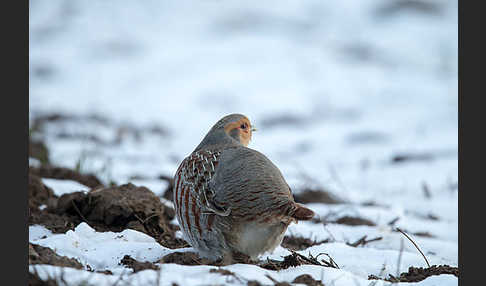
point(335, 88)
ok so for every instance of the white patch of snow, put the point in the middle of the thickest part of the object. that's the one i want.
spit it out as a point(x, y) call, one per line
point(37, 232)
point(104, 250)
point(61, 187)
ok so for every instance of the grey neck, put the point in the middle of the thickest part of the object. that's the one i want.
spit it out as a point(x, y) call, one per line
point(217, 138)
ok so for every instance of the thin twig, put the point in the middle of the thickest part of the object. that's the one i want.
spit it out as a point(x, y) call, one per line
point(330, 234)
point(383, 268)
point(400, 257)
point(363, 241)
point(79, 212)
point(159, 276)
point(393, 221)
point(143, 221)
point(415, 246)
point(425, 189)
point(331, 262)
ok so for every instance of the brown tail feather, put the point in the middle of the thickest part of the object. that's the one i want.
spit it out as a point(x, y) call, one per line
point(302, 213)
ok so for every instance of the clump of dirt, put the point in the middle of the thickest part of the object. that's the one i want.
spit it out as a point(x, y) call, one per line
point(316, 196)
point(348, 220)
point(105, 209)
point(407, 157)
point(297, 243)
point(416, 274)
point(120, 207)
point(423, 234)
point(307, 280)
point(186, 258)
point(253, 283)
point(57, 223)
point(44, 255)
point(193, 258)
point(372, 203)
point(225, 272)
point(127, 260)
point(221, 271)
point(392, 8)
point(39, 194)
point(53, 172)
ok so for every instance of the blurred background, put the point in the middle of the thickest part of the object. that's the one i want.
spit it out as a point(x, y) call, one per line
point(356, 97)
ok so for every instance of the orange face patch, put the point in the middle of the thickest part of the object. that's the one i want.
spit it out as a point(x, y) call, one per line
point(243, 127)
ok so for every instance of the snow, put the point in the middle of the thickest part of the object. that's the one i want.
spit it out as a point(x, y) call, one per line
point(33, 162)
point(61, 187)
point(104, 250)
point(356, 86)
point(37, 232)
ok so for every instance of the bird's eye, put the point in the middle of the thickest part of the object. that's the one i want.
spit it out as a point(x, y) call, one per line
point(243, 126)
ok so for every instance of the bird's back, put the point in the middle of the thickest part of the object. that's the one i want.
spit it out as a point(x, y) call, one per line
point(249, 184)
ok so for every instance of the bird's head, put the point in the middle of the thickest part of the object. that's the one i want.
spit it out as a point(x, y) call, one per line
point(236, 126)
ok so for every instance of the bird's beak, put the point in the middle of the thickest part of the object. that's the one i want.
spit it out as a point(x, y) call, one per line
point(253, 129)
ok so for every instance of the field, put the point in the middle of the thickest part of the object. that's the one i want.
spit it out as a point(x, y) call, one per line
point(355, 102)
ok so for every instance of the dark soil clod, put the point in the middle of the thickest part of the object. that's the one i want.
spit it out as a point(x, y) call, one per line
point(392, 8)
point(120, 207)
point(412, 157)
point(225, 272)
point(423, 234)
point(347, 220)
point(297, 243)
point(416, 274)
point(127, 260)
point(307, 280)
point(44, 255)
point(316, 196)
point(39, 194)
point(105, 209)
point(185, 258)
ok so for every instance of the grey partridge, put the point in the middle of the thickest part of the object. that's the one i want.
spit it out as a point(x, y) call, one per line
point(232, 199)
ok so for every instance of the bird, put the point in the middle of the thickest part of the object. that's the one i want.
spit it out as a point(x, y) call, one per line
point(230, 199)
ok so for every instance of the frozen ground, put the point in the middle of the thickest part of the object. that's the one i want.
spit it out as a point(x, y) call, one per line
point(337, 89)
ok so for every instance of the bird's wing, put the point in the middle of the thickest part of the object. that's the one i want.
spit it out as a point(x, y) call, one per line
point(247, 182)
point(193, 177)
